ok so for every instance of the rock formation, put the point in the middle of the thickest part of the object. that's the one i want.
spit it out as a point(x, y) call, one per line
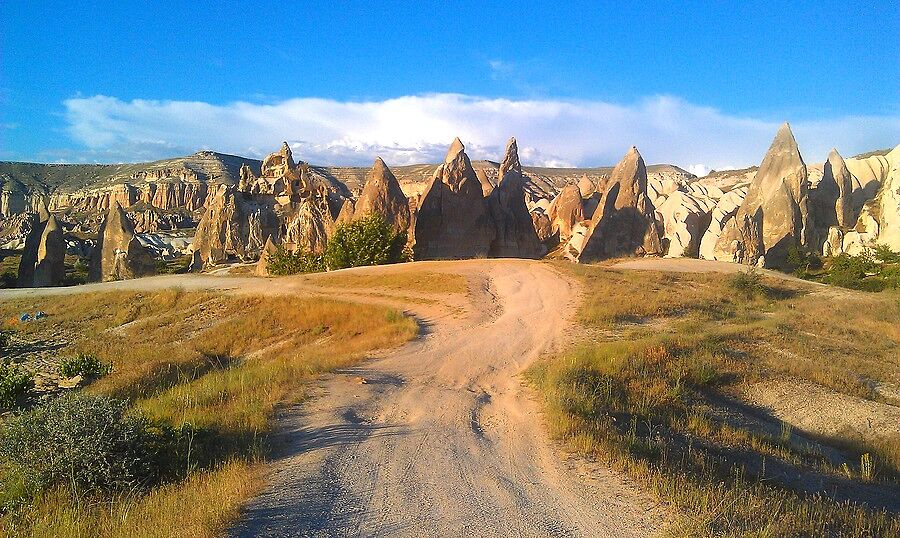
point(566, 210)
point(13, 198)
point(486, 186)
point(542, 227)
point(879, 219)
point(452, 220)
point(262, 266)
point(347, 211)
point(774, 215)
point(216, 232)
point(119, 254)
point(586, 187)
point(831, 200)
point(868, 175)
point(725, 209)
point(382, 196)
point(285, 204)
point(309, 227)
point(683, 218)
point(624, 223)
point(28, 261)
point(43, 259)
point(515, 232)
point(50, 269)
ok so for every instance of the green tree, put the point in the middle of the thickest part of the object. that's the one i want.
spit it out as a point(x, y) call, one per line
point(366, 241)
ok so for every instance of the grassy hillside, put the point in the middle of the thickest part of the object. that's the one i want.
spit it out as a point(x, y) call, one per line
point(207, 371)
point(660, 388)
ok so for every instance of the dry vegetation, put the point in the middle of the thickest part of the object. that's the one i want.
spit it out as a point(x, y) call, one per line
point(652, 392)
point(211, 366)
point(419, 281)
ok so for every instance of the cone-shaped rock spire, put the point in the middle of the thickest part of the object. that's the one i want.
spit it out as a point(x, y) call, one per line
point(382, 195)
point(452, 220)
point(624, 223)
point(119, 254)
point(774, 215)
point(516, 236)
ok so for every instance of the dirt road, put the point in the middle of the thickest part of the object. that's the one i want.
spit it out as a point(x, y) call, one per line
point(441, 438)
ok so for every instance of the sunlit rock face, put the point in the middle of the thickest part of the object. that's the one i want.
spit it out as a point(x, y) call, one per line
point(625, 222)
point(119, 254)
point(774, 216)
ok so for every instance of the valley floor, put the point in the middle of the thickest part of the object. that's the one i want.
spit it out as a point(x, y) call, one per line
point(444, 436)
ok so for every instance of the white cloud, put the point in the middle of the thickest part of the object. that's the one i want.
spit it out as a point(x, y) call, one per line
point(699, 170)
point(416, 129)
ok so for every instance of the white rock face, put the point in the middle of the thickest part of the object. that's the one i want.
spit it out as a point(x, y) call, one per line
point(833, 244)
point(728, 180)
point(868, 174)
point(724, 211)
point(659, 188)
point(166, 245)
point(879, 218)
point(576, 242)
point(684, 218)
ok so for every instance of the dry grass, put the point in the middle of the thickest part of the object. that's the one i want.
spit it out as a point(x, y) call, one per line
point(843, 343)
point(201, 506)
point(419, 281)
point(215, 365)
point(636, 396)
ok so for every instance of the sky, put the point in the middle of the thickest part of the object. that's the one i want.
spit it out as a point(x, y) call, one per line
point(577, 83)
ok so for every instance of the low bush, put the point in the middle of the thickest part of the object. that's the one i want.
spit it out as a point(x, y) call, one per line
point(747, 284)
point(801, 261)
point(14, 382)
point(282, 262)
point(83, 365)
point(87, 443)
point(884, 254)
point(874, 270)
point(367, 241)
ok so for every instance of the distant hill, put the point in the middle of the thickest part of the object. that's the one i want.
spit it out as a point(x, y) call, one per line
point(223, 168)
point(46, 178)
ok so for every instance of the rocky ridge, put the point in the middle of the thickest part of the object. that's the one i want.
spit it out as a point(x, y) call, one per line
point(466, 208)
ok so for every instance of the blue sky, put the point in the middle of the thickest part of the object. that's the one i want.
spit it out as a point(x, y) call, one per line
point(577, 83)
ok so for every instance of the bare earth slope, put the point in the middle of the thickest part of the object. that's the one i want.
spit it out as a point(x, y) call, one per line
point(440, 437)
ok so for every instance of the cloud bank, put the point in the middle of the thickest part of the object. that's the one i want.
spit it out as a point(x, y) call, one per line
point(417, 129)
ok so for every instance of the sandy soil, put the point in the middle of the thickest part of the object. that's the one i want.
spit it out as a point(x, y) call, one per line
point(822, 411)
point(439, 437)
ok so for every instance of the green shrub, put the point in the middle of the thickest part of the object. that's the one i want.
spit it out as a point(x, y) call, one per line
point(83, 365)
point(13, 383)
point(282, 262)
point(4, 340)
point(747, 284)
point(853, 272)
point(367, 241)
point(87, 443)
point(875, 269)
point(800, 260)
point(885, 255)
point(78, 275)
